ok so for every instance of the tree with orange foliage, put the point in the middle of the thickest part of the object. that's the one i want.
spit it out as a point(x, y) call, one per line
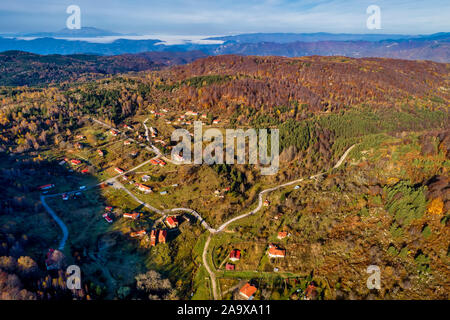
point(436, 206)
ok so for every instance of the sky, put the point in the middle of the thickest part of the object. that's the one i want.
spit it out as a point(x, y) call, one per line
point(224, 17)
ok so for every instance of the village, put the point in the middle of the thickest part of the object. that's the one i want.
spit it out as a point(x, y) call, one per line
point(137, 177)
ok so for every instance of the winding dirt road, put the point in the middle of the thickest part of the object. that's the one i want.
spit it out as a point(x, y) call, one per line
point(260, 204)
point(164, 213)
point(60, 223)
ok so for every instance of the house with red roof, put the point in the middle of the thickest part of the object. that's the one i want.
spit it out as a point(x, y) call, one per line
point(138, 234)
point(46, 187)
point(75, 162)
point(160, 141)
point(247, 291)
point(107, 218)
point(159, 162)
point(172, 222)
point(118, 170)
point(275, 252)
point(282, 235)
point(235, 255)
point(143, 188)
point(229, 266)
point(191, 113)
point(162, 236)
point(153, 237)
point(133, 216)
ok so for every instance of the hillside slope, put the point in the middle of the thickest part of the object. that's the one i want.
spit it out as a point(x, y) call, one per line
point(317, 83)
point(387, 205)
point(19, 68)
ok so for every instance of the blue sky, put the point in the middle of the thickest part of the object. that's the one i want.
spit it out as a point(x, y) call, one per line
point(221, 17)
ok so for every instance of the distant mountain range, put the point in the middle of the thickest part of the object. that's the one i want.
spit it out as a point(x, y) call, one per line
point(313, 37)
point(61, 46)
point(434, 47)
point(85, 32)
point(411, 49)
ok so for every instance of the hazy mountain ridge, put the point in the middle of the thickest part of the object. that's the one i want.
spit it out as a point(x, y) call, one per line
point(434, 50)
point(425, 47)
point(314, 37)
point(83, 32)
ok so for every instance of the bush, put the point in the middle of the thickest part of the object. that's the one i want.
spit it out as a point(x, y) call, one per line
point(426, 232)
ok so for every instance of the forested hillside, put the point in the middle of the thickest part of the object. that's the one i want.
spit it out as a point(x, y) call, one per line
point(19, 68)
point(387, 204)
point(314, 83)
